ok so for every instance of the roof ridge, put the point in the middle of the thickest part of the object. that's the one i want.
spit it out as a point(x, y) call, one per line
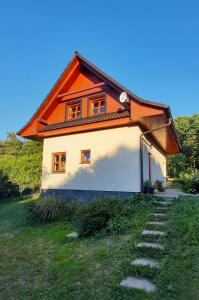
point(77, 54)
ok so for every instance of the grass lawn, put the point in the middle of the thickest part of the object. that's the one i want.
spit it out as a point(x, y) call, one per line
point(39, 262)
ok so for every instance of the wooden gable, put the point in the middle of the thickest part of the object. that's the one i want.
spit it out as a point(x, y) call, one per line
point(76, 82)
point(82, 80)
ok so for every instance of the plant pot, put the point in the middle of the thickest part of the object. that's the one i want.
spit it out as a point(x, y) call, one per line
point(149, 190)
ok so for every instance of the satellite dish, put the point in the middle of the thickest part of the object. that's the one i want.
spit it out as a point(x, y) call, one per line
point(123, 97)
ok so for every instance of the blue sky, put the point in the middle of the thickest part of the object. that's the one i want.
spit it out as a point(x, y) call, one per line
point(151, 47)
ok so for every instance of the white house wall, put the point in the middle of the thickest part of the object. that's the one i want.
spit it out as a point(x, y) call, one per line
point(158, 163)
point(115, 161)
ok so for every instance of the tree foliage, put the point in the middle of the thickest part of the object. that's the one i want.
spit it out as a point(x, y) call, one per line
point(20, 162)
point(188, 132)
point(7, 188)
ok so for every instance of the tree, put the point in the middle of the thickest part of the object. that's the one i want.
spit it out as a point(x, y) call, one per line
point(177, 164)
point(26, 172)
point(11, 146)
point(30, 148)
point(7, 188)
point(188, 132)
point(20, 163)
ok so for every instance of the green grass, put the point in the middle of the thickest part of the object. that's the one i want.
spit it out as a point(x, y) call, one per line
point(179, 276)
point(39, 262)
point(174, 185)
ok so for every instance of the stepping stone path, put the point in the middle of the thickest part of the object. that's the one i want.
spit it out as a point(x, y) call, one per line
point(138, 283)
point(73, 235)
point(161, 208)
point(145, 262)
point(144, 283)
point(153, 232)
point(165, 203)
point(159, 215)
point(150, 245)
point(156, 223)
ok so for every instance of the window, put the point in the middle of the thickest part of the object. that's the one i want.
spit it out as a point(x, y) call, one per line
point(58, 162)
point(85, 156)
point(98, 105)
point(74, 111)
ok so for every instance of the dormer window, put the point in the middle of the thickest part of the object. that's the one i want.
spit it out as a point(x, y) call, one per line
point(98, 105)
point(74, 111)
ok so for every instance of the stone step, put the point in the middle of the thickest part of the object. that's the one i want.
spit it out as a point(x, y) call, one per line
point(159, 215)
point(73, 234)
point(150, 245)
point(153, 232)
point(169, 198)
point(152, 263)
point(165, 203)
point(139, 283)
point(161, 208)
point(156, 223)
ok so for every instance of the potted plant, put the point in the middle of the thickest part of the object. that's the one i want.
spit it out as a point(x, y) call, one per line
point(158, 186)
point(148, 187)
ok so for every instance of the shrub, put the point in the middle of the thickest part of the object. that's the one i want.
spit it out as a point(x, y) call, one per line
point(46, 210)
point(140, 199)
point(7, 188)
point(93, 217)
point(109, 215)
point(189, 182)
point(71, 209)
point(118, 224)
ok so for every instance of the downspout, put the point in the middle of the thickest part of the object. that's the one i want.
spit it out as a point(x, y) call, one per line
point(141, 150)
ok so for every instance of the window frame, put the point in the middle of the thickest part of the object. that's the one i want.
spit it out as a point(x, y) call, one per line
point(95, 98)
point(68, 107)
point(59, 163)
point(82, 161)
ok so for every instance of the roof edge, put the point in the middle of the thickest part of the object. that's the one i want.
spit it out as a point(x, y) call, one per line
point(114, 82)
point(46, 98)
point(139, 99)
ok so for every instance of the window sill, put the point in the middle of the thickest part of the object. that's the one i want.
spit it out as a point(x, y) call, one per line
point(72, 119)
point(97, 114)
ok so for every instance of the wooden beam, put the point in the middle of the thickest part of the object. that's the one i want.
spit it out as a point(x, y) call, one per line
point(83, 93)
point(54, 96)
point(82, 90)
point(102, 77)
point(43, 121)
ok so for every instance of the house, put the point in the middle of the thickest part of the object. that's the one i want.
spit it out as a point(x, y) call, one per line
point(98, 137)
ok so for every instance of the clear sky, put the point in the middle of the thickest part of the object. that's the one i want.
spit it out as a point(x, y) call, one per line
point(149, 46)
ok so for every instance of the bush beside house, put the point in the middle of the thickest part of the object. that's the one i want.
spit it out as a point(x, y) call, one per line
point(189, 183)
point(102, 216)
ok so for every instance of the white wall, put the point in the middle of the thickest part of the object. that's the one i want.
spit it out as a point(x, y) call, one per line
point(114, 161)
point(158, 164)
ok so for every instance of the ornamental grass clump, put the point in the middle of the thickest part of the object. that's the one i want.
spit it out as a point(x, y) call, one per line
point(46, 210)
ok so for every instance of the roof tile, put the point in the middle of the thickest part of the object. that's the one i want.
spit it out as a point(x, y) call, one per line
point(89, 120)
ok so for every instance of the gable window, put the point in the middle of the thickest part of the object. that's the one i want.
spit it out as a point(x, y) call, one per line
point(74, 111)
point(98, 105)
point(85, 156)
point(58, 162)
